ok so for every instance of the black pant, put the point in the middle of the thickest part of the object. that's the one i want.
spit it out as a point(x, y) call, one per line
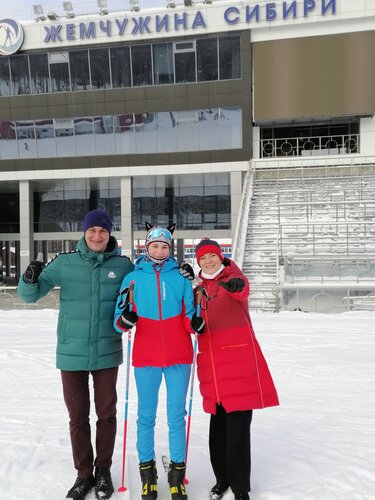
point(77, 400)
point(230, 449)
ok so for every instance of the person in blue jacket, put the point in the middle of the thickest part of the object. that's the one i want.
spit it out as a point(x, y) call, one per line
point(162, 309)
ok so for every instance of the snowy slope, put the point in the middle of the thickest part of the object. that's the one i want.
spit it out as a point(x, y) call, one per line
point(319, 444)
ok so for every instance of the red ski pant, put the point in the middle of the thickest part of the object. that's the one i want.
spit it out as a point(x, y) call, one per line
point(77, 399)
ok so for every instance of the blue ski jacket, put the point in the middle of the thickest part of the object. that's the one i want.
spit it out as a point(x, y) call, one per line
point(163, 300)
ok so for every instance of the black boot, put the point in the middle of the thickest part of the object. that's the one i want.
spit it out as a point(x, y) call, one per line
point(149, 477)
point(241, 496)
point(81, 488)
point(176, 476)
point(103, 483)
point(218, 491)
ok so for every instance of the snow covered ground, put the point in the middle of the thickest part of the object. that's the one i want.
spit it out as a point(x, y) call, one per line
point(319, 444)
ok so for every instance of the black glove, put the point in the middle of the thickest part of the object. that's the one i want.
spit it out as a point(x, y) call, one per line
point(186, 271)
point(128, 318)
point(197, 324)
point(33, 271)
point(233, 285)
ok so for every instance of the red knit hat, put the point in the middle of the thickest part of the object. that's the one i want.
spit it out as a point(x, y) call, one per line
point(208, 246)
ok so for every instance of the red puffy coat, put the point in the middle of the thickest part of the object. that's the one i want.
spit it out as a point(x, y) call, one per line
point(231, 367)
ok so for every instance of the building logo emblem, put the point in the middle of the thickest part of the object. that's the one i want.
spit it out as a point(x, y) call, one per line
point(11, 37)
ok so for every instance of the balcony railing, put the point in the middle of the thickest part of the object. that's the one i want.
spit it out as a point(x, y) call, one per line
point(310, 146)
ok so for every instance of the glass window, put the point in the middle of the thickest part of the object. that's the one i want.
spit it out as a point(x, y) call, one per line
point(8, 143)
point(187, 130)
point(145, 133)
point(19, 69)
point(39, 73)
point(124, 133)
point(59, 69)
point(185, 66)
point(209, 129)
point(136, 133)
point(84, 130)
point(144, 209)
point(99, 65)
point(45, 138)
point(193, 201)
point(61, 205)
point(104, 135)
point(166, 132)
point(207, 67)
point(230, 121)
point(164, 207)
point(5, 88)
point(216, 183)
point(65, 140)
point(79, 69)
point(141, 65)
point(163, 63)
point(230, 57)
point(120, 67)
point(9, 210)
point(25, 131)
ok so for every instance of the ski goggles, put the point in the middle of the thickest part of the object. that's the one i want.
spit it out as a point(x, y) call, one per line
point(159, 232)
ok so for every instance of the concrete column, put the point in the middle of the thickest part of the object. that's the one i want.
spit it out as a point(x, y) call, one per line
point(127, 235)
point(235, 199)
point(180, 250)
point(26, 224)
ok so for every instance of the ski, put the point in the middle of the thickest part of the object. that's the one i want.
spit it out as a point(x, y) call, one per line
point(165, 461)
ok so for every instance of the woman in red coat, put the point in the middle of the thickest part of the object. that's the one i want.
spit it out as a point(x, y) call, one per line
point(233, 374)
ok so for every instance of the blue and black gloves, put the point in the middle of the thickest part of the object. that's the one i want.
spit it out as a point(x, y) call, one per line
point(128, 318)
point(197, 324)
point(186, 271)
point(233, 285)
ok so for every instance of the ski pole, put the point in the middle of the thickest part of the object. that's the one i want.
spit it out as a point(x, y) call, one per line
point(199, 299)
point(123, 488)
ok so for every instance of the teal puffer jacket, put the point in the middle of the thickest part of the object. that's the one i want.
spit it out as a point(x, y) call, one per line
point(89, 282)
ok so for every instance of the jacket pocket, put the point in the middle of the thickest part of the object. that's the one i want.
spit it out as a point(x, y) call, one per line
point(234, 346)
point(62, 328)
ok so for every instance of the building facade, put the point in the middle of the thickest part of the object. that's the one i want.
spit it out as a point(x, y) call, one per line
point(156, 114)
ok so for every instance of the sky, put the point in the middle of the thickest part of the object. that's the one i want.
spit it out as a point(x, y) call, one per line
point(319, 444)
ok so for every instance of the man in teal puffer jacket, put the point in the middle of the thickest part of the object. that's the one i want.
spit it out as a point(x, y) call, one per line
point(89, 279)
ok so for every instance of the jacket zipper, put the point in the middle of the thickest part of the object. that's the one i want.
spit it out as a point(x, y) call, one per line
point(160, 315)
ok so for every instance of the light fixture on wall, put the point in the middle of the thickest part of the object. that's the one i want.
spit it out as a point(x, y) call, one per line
point(134, 5)
point(171, 4)
point(68, 8)
point(52, 16)
point(103, 9)
point(39, 14)
point(188, 3)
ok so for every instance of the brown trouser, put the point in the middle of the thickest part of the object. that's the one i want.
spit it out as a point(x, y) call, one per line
point(77, 400)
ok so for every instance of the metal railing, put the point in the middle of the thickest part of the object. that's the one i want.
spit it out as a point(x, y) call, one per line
point(310, 146)
point(329, 268)
point(9, 300)
point(335, 211)
point(345, 238)
point(239, 242)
